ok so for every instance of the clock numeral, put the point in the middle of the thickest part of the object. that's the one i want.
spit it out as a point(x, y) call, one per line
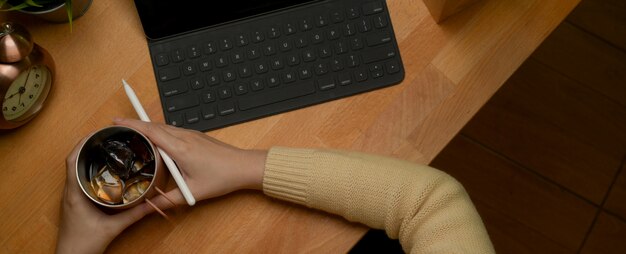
point(36, 85)
point(37, 76)
point(23, 105)
point(30, 96)
point(14, 108)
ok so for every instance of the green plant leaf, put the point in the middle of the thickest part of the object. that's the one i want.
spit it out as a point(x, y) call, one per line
point(70, 15)
point(18, 7)
point(32, 3)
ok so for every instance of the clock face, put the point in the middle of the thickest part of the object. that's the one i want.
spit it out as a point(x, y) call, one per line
point(22, 98)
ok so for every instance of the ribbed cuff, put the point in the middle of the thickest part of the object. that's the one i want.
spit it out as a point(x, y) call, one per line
point(286, 174)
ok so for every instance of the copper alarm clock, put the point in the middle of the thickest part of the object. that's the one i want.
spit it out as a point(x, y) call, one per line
point(26, 75)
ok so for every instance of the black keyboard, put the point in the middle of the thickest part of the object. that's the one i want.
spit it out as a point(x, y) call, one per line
point(276, 62)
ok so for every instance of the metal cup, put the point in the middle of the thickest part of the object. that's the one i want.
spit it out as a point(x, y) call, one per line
point(90, 148)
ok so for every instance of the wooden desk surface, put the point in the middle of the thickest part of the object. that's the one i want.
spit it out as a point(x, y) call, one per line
point(452, 69)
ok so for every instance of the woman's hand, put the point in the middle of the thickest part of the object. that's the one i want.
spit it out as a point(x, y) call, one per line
point(210, 168)
point(84, 228)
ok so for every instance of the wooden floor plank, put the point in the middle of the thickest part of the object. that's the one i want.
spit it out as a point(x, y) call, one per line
point(540, 206)
point(602, 18)
point(550, 124)
point(616, 202)
point(586, 59)
point(608, 236)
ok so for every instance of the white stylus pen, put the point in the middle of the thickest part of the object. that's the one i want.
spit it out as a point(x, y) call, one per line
point(178, 178)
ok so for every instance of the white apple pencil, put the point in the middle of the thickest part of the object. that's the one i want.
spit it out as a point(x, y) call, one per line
point(178, 178)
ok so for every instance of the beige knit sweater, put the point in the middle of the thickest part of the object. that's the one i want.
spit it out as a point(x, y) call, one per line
point(425, 208)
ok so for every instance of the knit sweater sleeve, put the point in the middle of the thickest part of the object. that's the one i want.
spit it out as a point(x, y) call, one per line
point(425, 208)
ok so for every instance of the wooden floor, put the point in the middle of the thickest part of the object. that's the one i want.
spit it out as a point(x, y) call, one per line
point(544, 160)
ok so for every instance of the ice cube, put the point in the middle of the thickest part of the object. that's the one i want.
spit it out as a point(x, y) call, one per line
point(108, 186)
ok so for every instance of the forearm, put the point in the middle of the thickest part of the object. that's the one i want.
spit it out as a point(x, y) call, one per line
point(423, 207)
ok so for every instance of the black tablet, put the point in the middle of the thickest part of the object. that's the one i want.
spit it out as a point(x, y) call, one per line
point(165, 18)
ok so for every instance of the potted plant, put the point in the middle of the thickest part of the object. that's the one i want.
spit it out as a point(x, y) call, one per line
point(51, 10)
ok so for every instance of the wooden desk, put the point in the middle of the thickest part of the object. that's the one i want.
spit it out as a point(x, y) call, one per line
point(452, 70)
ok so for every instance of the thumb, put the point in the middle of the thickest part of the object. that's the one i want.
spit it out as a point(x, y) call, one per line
point(130, 216)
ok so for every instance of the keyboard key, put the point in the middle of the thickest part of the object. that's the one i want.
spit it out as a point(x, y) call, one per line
point(177, 56)
point(372, 8)
point(277, 64)
point(167, 74)
point(226, 44)
point(364, 25)
point(290, 28)
point(274, 32)
point(208, 112)
point(225, 92)
point(226, 108)
point(182, 102)
point(352, 60)
point(174, 89)
point(221, 61)
point(236, 57)
point(321, 69)
point(349, 29)
point(289, 77)
point(336, 64)
point(293, 59)
point(193, 52)
point(333, 33)
point(304, 73)
point(245, 71)
point(209, 48)
point(175, 120)
point(196, 83)
point(305, 25)
point(208, 96)
point(213, 79)
point(376, 70)
point(257, 85)
point(269, 50)
point(356, 43)
point(353, 12)
point(242, 40)
point(326, 84)
point(392, 67)
point(378, 54)
point(189, 68)
point(258, 37)
point(272, 80)
point(340, 48)
point(241, 89)
point(377, 38)
point(261, 68)
point(285, 45)
point(271, 97)
point(321, 20)
point(336, 16)
point(162, 60)
point(380, 21)
point(345, 78)
point(301, 42)
point(253, 54)
point(192, 117)
point(205, 64)
point(308, 55)
point(229, 75)
point(361, 75)
point(324, 52)
point(317, 38)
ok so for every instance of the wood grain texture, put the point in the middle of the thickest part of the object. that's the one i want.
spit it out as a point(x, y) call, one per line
point(452, 70)
point(442, 9)
point(607, 236)
point(558, 118)
point(616, 201)
point(496, 184)
point(602, 18)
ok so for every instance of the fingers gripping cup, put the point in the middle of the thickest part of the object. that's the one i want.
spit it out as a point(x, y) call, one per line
point(118, 167)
